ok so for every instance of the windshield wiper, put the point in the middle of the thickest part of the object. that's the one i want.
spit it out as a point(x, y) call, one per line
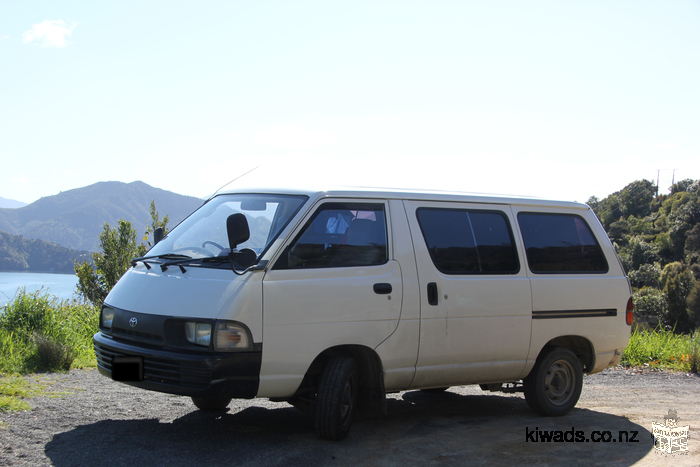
point(207, 259)
point(189, 260)
point(171, 256)
point(180, 260)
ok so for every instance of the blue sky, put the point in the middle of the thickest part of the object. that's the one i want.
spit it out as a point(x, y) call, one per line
point(556, 99)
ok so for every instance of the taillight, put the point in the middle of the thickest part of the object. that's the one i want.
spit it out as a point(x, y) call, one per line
point(629, 315)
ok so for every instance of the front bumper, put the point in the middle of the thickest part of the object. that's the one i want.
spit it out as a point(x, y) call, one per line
point(216, 375)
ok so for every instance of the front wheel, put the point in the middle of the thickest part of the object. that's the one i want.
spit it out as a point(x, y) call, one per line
point(214, 404)
point(336, 398)
point(553, 387)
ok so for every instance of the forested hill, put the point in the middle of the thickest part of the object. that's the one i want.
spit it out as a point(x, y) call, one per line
point(75, 218)
point(658, 241)
point(21, 254)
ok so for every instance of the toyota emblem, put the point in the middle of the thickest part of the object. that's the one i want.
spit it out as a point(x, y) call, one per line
point(133, 322)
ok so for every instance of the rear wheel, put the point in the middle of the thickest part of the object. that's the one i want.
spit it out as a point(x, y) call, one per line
point(553, 387)
point(336, 398)
point(211, 403)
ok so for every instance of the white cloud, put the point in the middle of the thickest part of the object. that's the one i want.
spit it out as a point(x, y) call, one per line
point(21, 178)
point(51, 33)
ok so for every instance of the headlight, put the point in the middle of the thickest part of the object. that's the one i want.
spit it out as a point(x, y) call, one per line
point(198, 333)
point(231, 336)
point(107, 317)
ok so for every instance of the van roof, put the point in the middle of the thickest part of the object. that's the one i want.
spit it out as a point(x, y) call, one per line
point(315, 192)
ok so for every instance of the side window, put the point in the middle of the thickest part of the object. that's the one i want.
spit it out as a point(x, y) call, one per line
point(560, 243)
point(464, 241)
point(339, 235)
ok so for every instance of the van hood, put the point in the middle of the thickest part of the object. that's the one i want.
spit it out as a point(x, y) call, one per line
point(197, 293)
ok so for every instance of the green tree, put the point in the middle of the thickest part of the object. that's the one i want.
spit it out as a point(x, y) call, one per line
point(647, 275)
point(633, 200)
point(693, 302)
point(636, 196)
point(619, 231)
point(682, 185)
point(692, 242)
point(593, 202)
point(650, 306)
point(665, 247)
point(677, 282)
point(118, 247)
point(638, 252)
point(155, 223)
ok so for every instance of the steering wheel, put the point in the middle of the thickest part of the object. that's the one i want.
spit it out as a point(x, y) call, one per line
point(209, 242)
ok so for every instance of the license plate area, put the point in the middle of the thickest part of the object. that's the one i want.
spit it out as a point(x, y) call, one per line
point(127, 368)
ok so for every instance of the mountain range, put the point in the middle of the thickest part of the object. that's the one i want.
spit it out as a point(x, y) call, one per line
point(74, 219)
point(10, 203)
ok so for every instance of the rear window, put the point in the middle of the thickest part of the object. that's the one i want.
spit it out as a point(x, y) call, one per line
point(560, 243)
point(464, 241)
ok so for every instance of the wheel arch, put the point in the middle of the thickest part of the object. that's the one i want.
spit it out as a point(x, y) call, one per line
point(372, 395)
point(580, 346)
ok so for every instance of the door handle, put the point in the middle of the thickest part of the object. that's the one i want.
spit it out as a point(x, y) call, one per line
point(382, 288)
point(432, 293)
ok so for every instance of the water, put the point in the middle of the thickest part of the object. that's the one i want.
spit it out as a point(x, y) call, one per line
point(60, 285)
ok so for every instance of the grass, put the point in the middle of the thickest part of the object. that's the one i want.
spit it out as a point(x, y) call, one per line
point(38, 332)
point(14, 389)
point(663, 349)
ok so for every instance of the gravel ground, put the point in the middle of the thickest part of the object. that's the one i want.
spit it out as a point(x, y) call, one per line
point(86, 419)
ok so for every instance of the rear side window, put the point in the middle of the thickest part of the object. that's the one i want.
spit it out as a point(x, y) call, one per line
point(464, 241)
point(560, 243)
point(339, 235)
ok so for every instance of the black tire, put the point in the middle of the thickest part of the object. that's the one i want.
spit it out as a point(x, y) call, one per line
point(435, 390)
point(553, 387)
point(211, 404)
point(336, 398)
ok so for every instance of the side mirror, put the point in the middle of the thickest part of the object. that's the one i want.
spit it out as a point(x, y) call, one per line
point(244, 258)
point(158, 235)
point(237, 230)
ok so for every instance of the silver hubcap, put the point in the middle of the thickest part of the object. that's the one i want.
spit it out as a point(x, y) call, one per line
point(559, 382)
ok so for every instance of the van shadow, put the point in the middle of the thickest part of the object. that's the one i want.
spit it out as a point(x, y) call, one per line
point(419, 429)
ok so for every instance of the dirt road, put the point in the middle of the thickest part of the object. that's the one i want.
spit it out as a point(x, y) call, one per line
point(100, 422)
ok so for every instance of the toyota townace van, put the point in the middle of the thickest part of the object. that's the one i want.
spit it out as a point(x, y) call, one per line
point(331, 299)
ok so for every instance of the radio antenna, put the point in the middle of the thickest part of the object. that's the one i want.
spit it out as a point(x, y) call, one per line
point(228, 183)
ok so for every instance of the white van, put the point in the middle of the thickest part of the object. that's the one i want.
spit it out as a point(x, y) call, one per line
point(331, 299)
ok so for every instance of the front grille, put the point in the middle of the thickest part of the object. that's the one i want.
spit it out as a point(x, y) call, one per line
point(187, 374)
point(140, 335)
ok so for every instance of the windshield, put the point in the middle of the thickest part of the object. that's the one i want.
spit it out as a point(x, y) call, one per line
point(203, 234)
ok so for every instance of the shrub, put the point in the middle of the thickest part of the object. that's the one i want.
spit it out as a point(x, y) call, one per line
point(39, 332)
point(695, 354)
point(53, 355)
